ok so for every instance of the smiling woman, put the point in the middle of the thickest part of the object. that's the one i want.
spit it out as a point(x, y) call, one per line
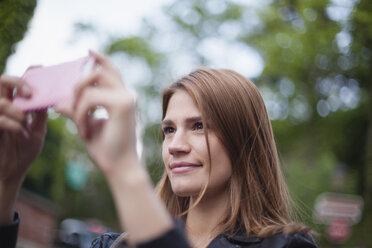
point(188, 156)
point(222, 183)
point(239, 186)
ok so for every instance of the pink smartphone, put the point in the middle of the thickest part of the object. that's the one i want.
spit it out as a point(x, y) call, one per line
point(53, 84)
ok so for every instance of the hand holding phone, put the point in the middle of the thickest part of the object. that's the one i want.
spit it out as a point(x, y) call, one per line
point(51, 85)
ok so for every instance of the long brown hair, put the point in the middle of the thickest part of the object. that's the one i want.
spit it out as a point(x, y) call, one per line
point(260, 203)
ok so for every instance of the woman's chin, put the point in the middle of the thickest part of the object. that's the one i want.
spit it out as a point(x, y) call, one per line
point(186, 191)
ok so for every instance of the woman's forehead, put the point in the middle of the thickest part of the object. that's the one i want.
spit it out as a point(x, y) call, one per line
point(181, 104)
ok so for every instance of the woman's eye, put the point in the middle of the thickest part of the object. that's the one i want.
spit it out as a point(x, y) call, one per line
point(198, 126)
point(167, 130)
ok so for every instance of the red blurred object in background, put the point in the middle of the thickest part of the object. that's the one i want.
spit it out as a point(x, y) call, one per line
point(338, 231)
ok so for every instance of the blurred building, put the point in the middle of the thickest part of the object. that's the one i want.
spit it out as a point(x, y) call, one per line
point(38, 223)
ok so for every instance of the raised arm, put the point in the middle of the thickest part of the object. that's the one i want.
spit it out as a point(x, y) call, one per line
point(21, 140)
point(112, 145)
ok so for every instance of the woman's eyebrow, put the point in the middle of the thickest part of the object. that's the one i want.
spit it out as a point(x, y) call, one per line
point(192, 119)
point(166, 122)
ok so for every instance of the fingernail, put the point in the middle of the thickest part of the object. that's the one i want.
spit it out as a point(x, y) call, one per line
point(26, 91)
point(29, 118)
point(25, 133)
point(92, 53)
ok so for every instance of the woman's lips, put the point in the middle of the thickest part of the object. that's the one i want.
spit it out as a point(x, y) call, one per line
point(181, 167)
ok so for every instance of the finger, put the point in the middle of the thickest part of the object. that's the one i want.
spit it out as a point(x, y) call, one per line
point(87, 102)
point(34, 67)
point(10, 111)
point(65, 108)
point(90, 99)
point(102, 60)
point(8, 83)
point(100, 79)
point(9, 124)
point(93, 79)
point(39, 121)
point(93, 126)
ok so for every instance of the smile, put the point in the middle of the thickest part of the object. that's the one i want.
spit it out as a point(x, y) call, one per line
point(181, 167)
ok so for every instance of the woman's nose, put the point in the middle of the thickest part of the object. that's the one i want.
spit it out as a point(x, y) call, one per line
point(179, 143)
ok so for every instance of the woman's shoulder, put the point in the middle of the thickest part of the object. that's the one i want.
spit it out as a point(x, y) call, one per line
point(172, 238)
point(280, 240)
point(297, 239)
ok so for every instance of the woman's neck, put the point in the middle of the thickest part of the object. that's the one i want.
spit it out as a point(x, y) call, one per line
point(202, 220)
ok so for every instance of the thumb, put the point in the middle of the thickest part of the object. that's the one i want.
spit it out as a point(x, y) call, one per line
point(64, 108)
point(39, 121)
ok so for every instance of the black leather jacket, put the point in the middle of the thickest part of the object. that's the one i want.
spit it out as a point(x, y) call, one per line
point(176, 239)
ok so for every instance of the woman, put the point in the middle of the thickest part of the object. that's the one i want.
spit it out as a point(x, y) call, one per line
point(222, 181)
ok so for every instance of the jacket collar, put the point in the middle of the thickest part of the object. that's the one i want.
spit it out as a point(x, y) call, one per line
point(242, 238)
point(239, 236)
point(222, 241)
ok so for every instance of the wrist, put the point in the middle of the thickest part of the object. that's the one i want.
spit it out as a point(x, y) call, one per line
point(128, 175)
point(140, 211)
point(8, 196)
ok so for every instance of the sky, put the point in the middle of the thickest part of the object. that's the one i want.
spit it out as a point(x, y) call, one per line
point(51, 38)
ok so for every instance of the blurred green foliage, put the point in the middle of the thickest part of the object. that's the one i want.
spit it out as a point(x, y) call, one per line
point(315, 81)
point(137, 47)
point(14, 18)
point(317, 57)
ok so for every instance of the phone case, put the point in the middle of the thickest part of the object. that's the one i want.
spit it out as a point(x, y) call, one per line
point(53, 84)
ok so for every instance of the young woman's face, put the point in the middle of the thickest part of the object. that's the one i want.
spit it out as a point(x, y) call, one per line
point(185, 151)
